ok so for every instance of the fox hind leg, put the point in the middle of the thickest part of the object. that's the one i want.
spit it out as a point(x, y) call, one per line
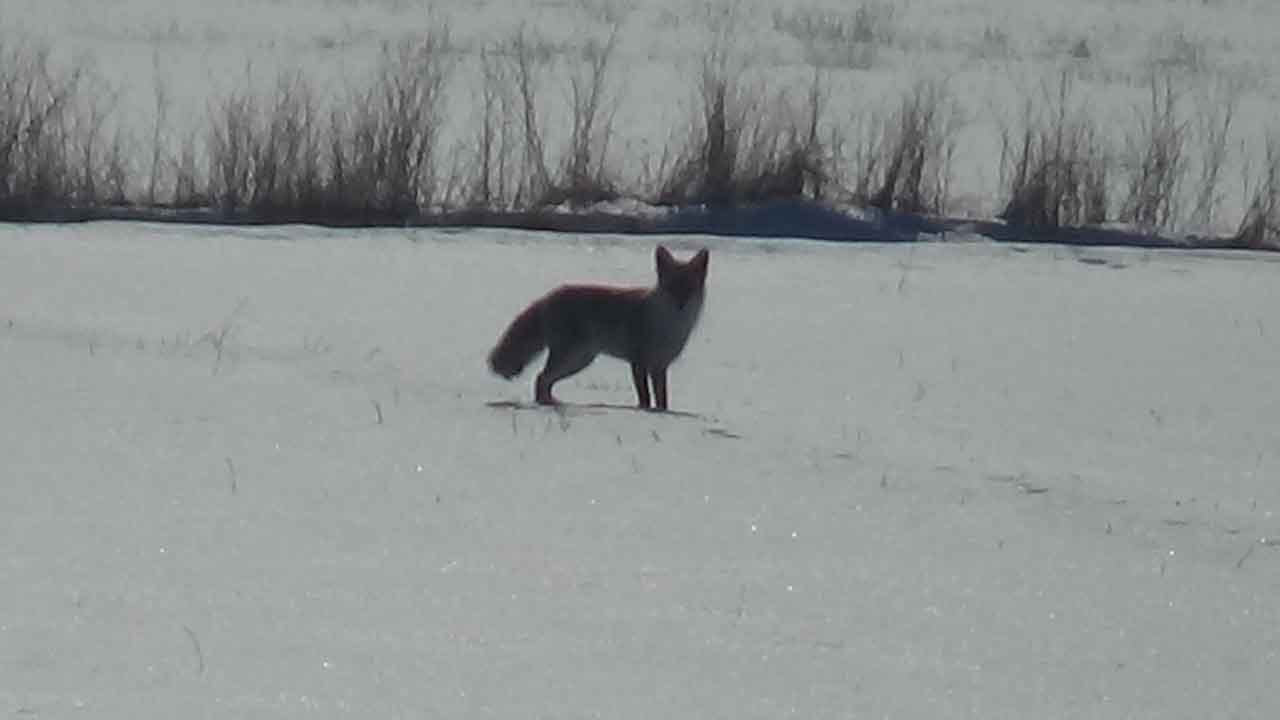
point(561, 364)
point(640, 376)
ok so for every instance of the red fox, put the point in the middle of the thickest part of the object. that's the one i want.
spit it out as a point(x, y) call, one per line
point(647, 327)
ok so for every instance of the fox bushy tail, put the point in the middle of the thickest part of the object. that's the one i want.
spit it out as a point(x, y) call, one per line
point(522, 340)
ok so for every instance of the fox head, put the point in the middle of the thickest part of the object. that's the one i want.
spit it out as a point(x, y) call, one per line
point(682, 281)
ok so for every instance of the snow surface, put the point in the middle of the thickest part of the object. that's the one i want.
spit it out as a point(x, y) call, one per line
point(252, 473)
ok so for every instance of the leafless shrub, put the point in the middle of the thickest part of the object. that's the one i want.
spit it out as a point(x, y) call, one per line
point(702, 170)
point(489, 184)
point(117, 172)
point(273, 156)
point(745, 144)
point(265, 152)
point(54, 148)
point(159, 129)
point(285, 156)
point(584, 176)
point(1215, 113)
point(187, 184)
point(786, 155)
point(100, 172)
point(232, 136)
point(1055, 165)
point(509, 163)
point(1260, 228)
point(33, 102)
point(172, 177)
point(383, 140)
point(526, 66)
point(1156, 159)
point(902, 160)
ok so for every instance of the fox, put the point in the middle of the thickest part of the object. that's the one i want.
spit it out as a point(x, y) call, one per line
point(647, 327)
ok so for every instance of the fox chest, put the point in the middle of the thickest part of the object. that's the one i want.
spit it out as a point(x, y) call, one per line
point(667, 328)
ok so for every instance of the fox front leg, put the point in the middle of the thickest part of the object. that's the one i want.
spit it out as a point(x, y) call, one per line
point(660, 387)
point(640, 376)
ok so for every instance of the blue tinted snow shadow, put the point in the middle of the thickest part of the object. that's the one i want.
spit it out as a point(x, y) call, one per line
point(798, 220)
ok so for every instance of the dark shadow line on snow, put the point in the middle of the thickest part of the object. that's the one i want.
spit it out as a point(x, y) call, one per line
point(588, 406)
point(802, 220)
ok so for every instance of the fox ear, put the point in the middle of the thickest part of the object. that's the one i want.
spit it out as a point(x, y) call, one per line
point(699, 262)
point(662, 256)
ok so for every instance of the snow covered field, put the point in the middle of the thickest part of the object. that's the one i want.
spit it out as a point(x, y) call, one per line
point(256, 472)
point(252, 473)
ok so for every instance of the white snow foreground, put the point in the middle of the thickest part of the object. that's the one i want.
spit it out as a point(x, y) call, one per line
point(252, 473)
